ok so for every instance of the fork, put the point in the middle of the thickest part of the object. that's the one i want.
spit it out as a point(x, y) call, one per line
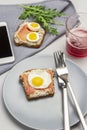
point(62, 85)
point(65, 100)
point(63, 74)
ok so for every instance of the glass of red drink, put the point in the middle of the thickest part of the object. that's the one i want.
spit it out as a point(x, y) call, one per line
point(76, 35)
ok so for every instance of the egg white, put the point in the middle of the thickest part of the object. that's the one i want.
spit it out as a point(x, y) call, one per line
point(32, 27)
point(33, 40)
point(39, 73)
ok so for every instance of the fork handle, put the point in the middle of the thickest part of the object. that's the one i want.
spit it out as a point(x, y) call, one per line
point(78, 108)
point(66, 112)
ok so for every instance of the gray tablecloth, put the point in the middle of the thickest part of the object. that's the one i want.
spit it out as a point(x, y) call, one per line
point(10, 14)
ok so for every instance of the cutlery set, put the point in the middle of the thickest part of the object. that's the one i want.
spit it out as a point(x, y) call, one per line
point(63, 81)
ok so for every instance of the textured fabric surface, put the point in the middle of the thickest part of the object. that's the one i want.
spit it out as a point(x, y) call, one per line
point(10, 14)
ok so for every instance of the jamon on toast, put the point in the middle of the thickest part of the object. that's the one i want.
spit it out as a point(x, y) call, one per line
point(38, 83)
point(28, 35)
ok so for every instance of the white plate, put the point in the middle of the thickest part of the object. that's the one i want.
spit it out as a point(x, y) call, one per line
point(45, 113)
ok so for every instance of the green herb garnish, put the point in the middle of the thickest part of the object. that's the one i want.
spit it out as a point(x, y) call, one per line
point(43, 16)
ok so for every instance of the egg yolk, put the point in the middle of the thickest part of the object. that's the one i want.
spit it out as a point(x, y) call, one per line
point(37, 81)
point(34, 25)
point(32, 36)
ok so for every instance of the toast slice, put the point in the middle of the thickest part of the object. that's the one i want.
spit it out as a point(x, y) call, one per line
point(20, 36)
point(29, 78)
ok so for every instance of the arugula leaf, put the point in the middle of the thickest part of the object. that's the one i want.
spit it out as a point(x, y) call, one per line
point(43, 16)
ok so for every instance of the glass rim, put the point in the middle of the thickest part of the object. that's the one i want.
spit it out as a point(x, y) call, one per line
point(71, 29)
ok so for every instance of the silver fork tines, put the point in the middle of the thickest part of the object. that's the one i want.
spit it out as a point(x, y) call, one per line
point(61, 68)
point(58, 56)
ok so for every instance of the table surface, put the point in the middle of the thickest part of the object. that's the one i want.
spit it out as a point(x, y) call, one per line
point(6, 121)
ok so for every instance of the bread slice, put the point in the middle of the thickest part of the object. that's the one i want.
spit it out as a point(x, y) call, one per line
point(21, 33)
point(32, 92)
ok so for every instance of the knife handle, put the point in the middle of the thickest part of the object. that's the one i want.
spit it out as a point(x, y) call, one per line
point(78, 108)
point(66, 111)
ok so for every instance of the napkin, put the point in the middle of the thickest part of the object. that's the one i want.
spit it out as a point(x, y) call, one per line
point(10, 14)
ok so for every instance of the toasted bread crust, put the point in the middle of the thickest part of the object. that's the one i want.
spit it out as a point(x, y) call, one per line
point(32, 93)
point(20, 42)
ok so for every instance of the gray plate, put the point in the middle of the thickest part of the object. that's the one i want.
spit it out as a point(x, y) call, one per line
point(46, 113)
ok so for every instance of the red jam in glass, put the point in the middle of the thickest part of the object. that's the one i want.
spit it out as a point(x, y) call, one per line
point(77, 42)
